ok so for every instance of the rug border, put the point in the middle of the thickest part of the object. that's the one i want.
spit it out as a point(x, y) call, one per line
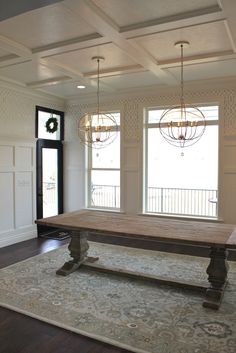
point(68, 328)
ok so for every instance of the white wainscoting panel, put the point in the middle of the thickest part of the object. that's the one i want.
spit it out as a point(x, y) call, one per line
point(131, 157)
point(17, 194)
point(23, 199)
point(230, 197)
point(6, 201)
point(23, 158)
point(6, 157)
point(230, 156)
point(132, 195)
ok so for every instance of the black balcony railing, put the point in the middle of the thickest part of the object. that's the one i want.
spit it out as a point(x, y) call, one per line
point(188, 202)
point(107, 196)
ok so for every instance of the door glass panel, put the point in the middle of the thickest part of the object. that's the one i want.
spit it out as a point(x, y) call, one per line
point(50, 182)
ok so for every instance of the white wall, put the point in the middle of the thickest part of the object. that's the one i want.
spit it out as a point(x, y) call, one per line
point(17, 161)
point(131, 106)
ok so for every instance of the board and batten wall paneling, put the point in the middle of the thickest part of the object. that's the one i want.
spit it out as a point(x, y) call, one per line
point(17, 210)
point(74, 164)
point(23, 199)
point(6, 188)
point(229, 177)
point(17, 160)
point(6, 201)
point(130, 171)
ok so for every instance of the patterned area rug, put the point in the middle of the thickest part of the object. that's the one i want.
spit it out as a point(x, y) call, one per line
point(128, 313)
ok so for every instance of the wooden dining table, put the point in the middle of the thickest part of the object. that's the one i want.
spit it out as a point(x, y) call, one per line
point(218, 237)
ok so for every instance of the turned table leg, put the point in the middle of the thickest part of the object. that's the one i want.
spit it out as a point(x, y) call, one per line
point(78, 248)
point(217, 276)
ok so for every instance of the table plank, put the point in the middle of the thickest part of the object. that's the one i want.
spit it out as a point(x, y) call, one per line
point(211, 234)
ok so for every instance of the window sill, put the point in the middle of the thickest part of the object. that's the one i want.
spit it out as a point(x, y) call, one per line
point(185, 218)
point(111, 210)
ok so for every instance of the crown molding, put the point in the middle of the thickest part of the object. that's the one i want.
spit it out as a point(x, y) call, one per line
point(191, 86)
point(22, 89)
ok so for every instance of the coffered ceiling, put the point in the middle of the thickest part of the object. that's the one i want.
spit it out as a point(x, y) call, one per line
point(47, 45)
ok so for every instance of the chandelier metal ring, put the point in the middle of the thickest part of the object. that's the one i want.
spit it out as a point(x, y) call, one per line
point(97, 129)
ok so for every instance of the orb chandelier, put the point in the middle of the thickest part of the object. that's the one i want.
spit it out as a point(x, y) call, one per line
point(97, 129)
point(182, 125)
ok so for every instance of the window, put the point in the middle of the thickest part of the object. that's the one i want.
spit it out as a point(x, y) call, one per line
point(181, 185)
point(104, 174)
point(49, 124)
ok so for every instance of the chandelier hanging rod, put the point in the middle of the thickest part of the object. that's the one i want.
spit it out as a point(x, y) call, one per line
point(98, 59)
point(182, 45)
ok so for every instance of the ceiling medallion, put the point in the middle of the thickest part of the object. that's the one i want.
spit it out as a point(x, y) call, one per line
point(97, 129)
point(182, 125)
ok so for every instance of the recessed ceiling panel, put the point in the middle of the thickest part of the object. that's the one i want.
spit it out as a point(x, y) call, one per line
point(82, 59)
point(28, 72)
point(44, 26)
point(204, 39)
point(127, 12)
point(205, 71)
point(134, 80)
point(68, 89)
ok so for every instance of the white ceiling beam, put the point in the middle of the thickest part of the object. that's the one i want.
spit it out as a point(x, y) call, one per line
point(104, 25)
point(10, 59)
point(116, 71)
point(174, 22)
point(70, 45)
point(73, 74)
point(229, 9)
point(199, 59)
point(20, 54)
point(13, 47)
point(62, 68)
point(48, 82)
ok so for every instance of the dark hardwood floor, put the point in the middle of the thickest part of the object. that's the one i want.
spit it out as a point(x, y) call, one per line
point(22, 334)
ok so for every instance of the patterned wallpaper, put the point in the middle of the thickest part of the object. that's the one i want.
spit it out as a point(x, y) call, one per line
point(130, 106)
point(17, 113)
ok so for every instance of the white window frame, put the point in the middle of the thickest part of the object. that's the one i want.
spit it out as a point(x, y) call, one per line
point(89, 168)
point(147, 126)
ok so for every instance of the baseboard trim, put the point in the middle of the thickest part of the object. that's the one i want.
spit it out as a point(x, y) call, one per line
point(18, 235)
